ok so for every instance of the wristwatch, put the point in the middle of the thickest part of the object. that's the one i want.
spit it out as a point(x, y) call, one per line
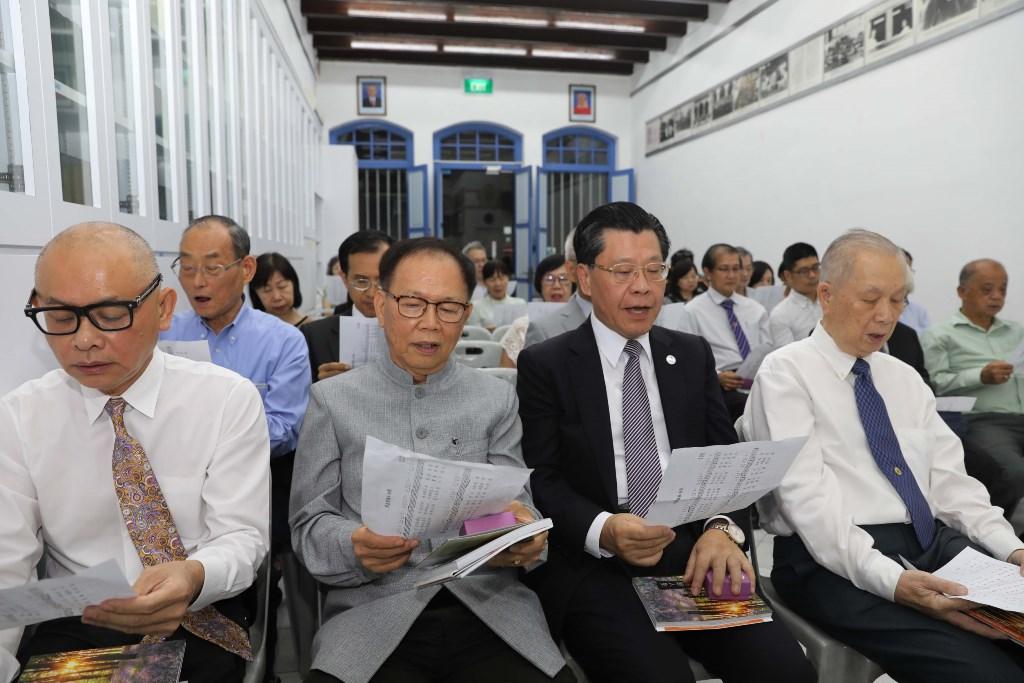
point(732, 530)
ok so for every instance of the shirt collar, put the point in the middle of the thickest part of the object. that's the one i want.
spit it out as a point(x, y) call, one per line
point(960, 319)
point(584, 305)
point(141, 395)
point(356, 313)
point(840, 361)
point(611, 344)
point(403, 378)
point(800, 300)
point(717, 297)
point(242, 314)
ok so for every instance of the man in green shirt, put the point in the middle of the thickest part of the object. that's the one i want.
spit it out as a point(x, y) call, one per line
point(972, 355)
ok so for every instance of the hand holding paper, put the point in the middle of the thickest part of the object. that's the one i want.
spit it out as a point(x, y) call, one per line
point(65, 596)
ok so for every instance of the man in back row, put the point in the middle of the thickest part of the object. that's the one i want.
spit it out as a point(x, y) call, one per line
point(87, 450)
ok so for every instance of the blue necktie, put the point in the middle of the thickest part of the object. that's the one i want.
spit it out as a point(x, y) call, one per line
point(643, 467)
point(741, 339)
point(886, 450)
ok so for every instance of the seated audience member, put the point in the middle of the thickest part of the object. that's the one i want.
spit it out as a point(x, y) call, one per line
point(761, 275)
point(904, 345)
point(880, 478)
point(796, 316)
point(731, 323)
point(359, 260)
point(122, 429)
point(335, 293)
point(275, 289)
point(487, 311)
point(602, 408)
point(968, 356)
point(683, 282)
point(554, 285)
point(377, 624)
point(568, 317)
point(914, 314)
point(746, 270)
point(476, 253)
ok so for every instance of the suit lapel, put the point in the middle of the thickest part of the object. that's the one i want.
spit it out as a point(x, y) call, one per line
point(673, 381)
point(587, 377)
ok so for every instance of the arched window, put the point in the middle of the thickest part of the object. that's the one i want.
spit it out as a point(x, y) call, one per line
point(579, 148)
point(477, 141)
point(385, 154)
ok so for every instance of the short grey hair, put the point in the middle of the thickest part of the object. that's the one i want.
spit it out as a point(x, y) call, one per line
point(837, 263)
point(971, 267)
point(240, 242)
point(475, 244)
point(570, 251)
point(98, 233)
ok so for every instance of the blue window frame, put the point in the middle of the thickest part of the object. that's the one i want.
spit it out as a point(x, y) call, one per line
point(378, 144)
point(478, 141)
point(579, 148)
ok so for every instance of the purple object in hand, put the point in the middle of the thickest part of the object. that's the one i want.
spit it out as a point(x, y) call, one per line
point(727, 593)
point(499, 520)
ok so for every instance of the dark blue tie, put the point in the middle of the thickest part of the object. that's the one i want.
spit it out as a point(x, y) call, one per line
point(643, 466)
point(886, 450)
point(741, 339)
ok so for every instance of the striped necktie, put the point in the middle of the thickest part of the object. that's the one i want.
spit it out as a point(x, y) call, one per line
point(741, 339)
point(152, 530)
point(885, 448)
point(643, 467)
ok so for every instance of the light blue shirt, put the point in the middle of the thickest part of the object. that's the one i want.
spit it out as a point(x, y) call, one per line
point(915, 315)
point(269, 353)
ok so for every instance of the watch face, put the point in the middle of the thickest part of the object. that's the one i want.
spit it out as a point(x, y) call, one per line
point(736, 533)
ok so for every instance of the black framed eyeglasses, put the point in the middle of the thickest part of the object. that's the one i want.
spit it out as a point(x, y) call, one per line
point(414, 307)
point(108, 316)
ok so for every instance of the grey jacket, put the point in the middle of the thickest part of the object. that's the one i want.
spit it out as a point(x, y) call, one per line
point(567, 318)
point(459, 413)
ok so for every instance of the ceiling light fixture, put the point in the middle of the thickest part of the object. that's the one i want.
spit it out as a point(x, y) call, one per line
point(567, 54)
point(629, 28)
point(482, 50)
point(389, 14)
point(399, 47)
point(510, 21)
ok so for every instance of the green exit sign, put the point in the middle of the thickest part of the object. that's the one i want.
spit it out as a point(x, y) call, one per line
point(479, 86)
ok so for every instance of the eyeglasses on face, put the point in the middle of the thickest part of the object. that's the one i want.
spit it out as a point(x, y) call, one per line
point(729, 269)
point(414, 307)
point(552, 279)
point(108, 316)
point(622, 273)
point(185, 269)
point(808, 270)
point(361, 284)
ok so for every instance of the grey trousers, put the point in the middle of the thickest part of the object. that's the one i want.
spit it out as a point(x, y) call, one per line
point(994, 454)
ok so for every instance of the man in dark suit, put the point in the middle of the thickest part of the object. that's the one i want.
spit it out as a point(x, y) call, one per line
point(905, 345)
point(359, 259)
point(602, 407)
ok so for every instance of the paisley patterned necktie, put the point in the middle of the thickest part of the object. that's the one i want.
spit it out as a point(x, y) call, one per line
point(151, 527)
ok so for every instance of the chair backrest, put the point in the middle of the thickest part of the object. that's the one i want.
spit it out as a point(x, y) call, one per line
point(476, 332)
point(499, 332)
point(478, 354)
point(507, 374)
point(255, 671)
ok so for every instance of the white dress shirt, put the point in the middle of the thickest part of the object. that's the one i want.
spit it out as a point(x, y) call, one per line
point(611, 347)
point(834, 486)
point(793, 318)
point(205, 435)
point(709, 320)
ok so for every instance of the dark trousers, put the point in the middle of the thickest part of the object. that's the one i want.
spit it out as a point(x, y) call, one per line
point(994, 455)
point(907, 644)
point(449, 643)
point(204, 661)
point(607, 631)
point(280, 545)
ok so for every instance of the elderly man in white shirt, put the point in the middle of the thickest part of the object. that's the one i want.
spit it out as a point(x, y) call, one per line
point(121, 434)
point(797, 315)
point(734, 325)
point(880, 478)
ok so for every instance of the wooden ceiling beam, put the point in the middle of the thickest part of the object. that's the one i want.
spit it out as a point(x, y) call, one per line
point(640, 9)
point(487, 61)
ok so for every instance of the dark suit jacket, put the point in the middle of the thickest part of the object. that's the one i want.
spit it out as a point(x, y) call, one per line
point(904, 344)
point(567, 440)
point(344, 309)
point(323, 339)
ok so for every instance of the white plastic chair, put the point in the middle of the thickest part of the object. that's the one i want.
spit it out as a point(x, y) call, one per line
point(507, 374)
point(255, 670)
point(499, 332)
point(475, 332)
point(478, 354)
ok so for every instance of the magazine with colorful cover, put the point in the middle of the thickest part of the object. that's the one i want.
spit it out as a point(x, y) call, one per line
point(671, 607)
point(1011, 624)
point(143, 663)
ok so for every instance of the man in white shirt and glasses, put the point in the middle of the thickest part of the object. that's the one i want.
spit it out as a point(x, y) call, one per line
point(881, 478)
point(796, 316)
point(121, 431)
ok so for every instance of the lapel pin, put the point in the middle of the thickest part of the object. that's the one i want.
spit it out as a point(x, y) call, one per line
point(670, 359)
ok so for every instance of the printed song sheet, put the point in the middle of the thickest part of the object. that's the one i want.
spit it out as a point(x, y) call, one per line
point(1017, 359)
point(988, 581)
point(193, 350)
point(411, 495)
point(362, 340)
point(712, 480)
point(955, 404)
point(65, 596)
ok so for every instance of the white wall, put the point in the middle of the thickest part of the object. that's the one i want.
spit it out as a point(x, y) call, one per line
point(927, 150)
point(425, 99)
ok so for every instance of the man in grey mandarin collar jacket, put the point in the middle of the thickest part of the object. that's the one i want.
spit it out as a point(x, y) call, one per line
point(375, 620)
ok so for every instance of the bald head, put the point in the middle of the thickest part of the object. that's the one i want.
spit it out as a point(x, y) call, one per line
point(85, 241)
point(972, 268)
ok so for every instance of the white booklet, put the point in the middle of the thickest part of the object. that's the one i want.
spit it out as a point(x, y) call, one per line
point(361, 340)
point(988, 581)
point(466, 564)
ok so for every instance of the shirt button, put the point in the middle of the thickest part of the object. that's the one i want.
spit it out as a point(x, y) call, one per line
point(420, 392)
point(421, 432)
point(897, 471)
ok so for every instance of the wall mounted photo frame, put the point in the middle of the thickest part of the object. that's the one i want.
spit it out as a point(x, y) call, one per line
point(583, 103)
point(371, 96)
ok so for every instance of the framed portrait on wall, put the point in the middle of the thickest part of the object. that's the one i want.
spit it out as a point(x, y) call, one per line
point(371, 95)
point(583, 103)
